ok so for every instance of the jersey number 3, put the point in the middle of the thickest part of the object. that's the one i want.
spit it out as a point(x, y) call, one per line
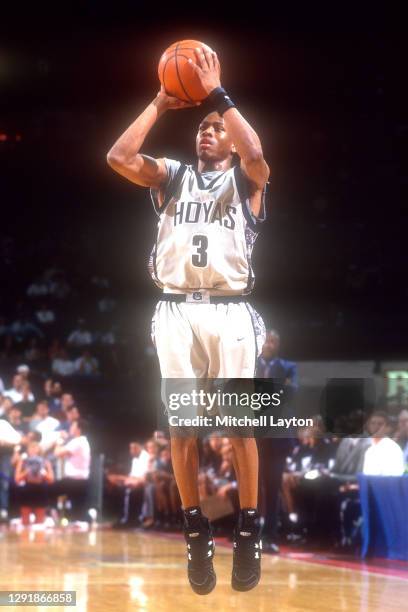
point(199, 258)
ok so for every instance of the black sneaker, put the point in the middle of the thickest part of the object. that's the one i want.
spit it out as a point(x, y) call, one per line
point(200, 551)
point(246, 564)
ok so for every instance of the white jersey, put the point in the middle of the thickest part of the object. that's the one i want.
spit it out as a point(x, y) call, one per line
point(206, 232)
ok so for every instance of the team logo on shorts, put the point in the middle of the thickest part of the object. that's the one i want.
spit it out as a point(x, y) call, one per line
point(197, 296)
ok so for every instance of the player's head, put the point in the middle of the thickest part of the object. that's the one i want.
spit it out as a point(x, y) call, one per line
point(213, 143)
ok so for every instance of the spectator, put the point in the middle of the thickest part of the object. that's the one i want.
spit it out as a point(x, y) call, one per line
point(273, 451)
point(22, 329)
point(16, 420)
point(72, 414)
point(62, 365)
point(45, 315)
point(33, 352)
point(33, 475)
point(312, 455)
point(26, 404)
point(132, 485)
point(38, 288)
point(52, 393)
point(80, 336)
point(5, 406)
point(106, 305)
point(401, 436)
point(24, 370)
point(9, 437)
point(76, 453)
point(15, 393)
point(384, 457)
point(67, 400)
point(59, 288)
point(41, 420)
point(87, 365)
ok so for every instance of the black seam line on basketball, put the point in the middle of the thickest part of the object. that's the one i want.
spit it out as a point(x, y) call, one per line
point(179, 77)
point(164, 70)
point(167, 61)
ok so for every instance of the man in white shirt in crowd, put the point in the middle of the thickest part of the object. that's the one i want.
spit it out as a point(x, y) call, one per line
point(41, 420)
point(77, 455)
point(384, 457)
point(80, 336)
point(9, 437)
point(16, 391)
point(133, 484)
point(62, 365)
point(45, 315)
point(87, 365)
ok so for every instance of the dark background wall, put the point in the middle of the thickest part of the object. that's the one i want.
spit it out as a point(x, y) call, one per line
point(327, 94)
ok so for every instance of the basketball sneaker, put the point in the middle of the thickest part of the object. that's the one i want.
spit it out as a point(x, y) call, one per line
point(246, 564)
point(200, 551)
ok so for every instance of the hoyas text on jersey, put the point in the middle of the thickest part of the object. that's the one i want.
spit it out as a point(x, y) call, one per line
point(204, 212)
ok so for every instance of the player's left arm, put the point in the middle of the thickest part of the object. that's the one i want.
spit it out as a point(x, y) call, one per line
point(249, 148)
point(246, 140)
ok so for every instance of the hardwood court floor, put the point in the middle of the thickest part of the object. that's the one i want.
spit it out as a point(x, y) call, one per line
point(120, 571)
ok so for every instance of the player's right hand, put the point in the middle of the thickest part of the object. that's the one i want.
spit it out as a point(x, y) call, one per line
point(172, 103)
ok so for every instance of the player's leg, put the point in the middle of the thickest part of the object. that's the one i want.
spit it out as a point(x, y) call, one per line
point(182, 360)
point(240, 341)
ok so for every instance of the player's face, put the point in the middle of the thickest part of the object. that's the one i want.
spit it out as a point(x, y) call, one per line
point(212, 141)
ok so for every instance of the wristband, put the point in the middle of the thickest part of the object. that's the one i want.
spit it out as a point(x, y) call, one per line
point(220, 100)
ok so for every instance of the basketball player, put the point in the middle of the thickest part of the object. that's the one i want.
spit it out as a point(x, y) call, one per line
point(203, 327)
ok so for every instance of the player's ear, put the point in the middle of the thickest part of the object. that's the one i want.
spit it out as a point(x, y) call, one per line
point(233, 149)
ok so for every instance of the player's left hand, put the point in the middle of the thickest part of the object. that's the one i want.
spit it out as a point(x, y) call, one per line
point(207, 68)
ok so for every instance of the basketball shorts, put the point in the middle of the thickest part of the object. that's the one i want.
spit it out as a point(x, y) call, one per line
point(221, 340)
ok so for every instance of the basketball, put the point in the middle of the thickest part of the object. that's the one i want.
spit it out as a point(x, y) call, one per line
point(177, 75)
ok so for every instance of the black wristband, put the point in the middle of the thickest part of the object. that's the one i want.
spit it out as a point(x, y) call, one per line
point(220, 101)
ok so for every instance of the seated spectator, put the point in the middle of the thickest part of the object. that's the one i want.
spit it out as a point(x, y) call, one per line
point(62, 365)
point(42, 421)
point(27, 403)
point(149, 492)
point(23, 328)
point(15, 418)
point(9, 437)
point(33, 352)
point(132, 484)
point(384, 457)
point(37, 289)
point(76, 453)
point(87, 365)
point(24, 370)
point(33, 474)
point(106, 305)
point(80, 336)
point(45, 315)
point(5, 406)
point(167, 498)
point(15, 393)
point(313, 454)
point(59, 288)
point(71, 414)
point(52, 393)
point(67, 400)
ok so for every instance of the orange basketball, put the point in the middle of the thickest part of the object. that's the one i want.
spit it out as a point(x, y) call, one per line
point(177, 75)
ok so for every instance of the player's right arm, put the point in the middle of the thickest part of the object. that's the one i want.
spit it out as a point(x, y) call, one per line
point(125, 157)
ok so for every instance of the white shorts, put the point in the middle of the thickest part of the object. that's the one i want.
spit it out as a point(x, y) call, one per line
point(207, 340)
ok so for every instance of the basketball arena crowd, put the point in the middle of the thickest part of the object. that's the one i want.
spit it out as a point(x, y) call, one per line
point(56, 356)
